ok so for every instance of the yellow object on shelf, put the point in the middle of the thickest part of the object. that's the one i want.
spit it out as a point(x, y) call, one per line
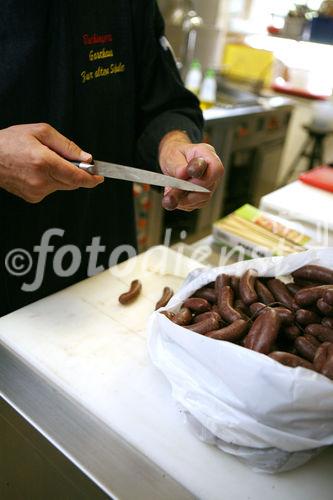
point(246, 63)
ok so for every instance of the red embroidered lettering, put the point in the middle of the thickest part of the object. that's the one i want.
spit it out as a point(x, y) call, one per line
point(96, 39)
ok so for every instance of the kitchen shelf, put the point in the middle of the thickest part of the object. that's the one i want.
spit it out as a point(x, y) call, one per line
point(281, 37)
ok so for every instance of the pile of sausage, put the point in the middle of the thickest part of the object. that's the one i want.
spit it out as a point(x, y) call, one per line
point(290, 322)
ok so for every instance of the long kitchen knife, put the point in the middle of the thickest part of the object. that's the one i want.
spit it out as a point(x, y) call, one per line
point(122, 172)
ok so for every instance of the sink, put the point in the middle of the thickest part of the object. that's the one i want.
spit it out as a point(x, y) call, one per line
point(231, 96)
point(235, 105)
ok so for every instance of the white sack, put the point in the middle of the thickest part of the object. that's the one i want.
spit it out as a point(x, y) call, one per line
point(243, 401)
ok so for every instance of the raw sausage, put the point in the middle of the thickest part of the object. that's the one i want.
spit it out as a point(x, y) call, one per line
point(293, 288)
point(206, 293)
point(324, 307)
point(132, 294)
point(308, 296)
point(256, 307)
point(241, 307)
point(312, 339)
point(314, 273)
point(291, 360)
point(231, 333)
point(328, 296)
point(305, 348)
point(170, 315)
point(205, 315)
point(206, 325)
point(327, 322)
point(264, 294)
point(305, 317)
point(225, 304)
point(221, 281)
point(234, 281)
point(197, 167)
point(263, 332)
point(285, 315)
point(246, 287)
point(321, 332)
point(291, 332)
point(183, 317)
point(323, 361)
point(166, 296)
point(197, 305)
point(281, 292)
point(307, 284)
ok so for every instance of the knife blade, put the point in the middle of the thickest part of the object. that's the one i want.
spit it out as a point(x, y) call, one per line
point(115, 171)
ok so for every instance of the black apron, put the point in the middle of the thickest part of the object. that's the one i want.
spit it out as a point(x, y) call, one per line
point(78, 66)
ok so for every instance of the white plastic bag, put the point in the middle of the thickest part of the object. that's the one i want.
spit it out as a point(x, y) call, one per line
point(270, 416)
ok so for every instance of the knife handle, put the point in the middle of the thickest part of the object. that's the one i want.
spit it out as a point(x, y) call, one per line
point(83, 166)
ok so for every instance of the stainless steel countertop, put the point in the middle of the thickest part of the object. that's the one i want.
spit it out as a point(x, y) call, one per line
point(265, 104)
point(95, 449)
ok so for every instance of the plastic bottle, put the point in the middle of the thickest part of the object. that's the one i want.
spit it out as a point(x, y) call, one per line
point(207, 94)
point(194, 77)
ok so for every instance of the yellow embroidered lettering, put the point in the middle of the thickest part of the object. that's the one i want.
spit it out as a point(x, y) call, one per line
point(117, 68)
point(100, 54)
point(102, 71)
point(86, 76)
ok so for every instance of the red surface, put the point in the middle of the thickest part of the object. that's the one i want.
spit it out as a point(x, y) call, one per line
point(273, 30)
point(320, 177)
point(299, 92)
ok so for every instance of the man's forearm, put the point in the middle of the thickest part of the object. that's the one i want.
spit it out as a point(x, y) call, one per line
point(170, 137)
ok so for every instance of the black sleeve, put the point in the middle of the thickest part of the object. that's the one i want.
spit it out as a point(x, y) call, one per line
point(164, 104)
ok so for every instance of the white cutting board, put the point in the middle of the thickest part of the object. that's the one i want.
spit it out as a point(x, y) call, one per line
point(82, 337)
point(303, 204)
point(95, 349)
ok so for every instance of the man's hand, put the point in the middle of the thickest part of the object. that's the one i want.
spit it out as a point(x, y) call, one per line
point(32, 163)
point(175, 153)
